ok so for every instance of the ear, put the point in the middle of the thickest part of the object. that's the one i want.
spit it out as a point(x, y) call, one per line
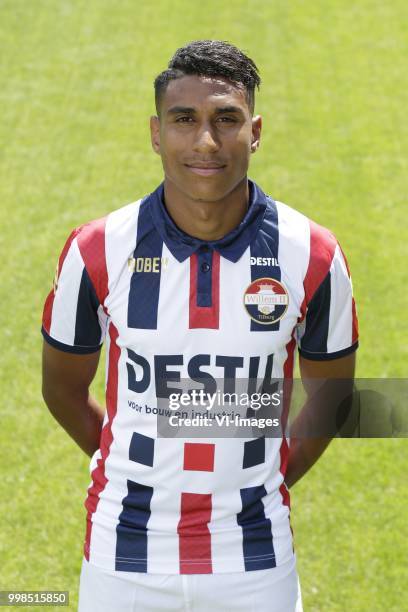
point(155, 133)
point(256, 132)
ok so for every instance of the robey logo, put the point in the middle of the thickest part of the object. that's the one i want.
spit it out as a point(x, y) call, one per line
point(147, 264)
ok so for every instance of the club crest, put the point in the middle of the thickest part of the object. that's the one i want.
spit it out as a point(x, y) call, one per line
point(266, 300)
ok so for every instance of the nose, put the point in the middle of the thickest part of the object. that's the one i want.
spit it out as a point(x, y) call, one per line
point(206, 140)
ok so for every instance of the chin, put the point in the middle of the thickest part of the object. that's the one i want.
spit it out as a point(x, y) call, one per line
point(207, 193)
point(207, 197)
point(200, 189)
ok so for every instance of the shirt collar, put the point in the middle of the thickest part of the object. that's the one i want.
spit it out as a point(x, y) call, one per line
point(231, 246)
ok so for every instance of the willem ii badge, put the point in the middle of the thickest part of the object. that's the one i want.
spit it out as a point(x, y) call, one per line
point(266, 300)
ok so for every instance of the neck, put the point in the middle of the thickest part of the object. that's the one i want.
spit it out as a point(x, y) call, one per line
point(206, 220)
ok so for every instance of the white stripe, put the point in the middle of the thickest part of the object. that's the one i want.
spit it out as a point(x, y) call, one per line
point(103, 534)
point(163, 545)
point(64, 308)
point(226, 534)
point(293, 257)
point(120, 243)
point(294, 249)
point(341, 317)
point(275, 509)
point(174, 289)
point(103, 320)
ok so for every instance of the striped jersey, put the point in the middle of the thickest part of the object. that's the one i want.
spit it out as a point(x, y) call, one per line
point(172, 307)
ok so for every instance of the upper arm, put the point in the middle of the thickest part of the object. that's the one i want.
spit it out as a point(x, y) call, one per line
point(328, 334)
point(67, 371)
point(74, 320)
point(73, 323)
point(314, 373)
point(329, 327)
point(329, 387)
point(342, 367)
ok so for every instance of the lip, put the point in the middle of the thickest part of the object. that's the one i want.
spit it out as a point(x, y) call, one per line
point(203, 170)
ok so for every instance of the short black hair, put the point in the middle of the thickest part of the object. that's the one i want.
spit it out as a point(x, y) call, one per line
point(211, 58)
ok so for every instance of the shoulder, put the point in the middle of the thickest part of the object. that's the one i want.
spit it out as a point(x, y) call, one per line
point(294, 225)
point(311, 244)
point(100, 238)
point(115, 222)
point(317, 241)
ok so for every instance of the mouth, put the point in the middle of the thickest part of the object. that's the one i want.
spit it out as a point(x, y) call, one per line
point(205, 169)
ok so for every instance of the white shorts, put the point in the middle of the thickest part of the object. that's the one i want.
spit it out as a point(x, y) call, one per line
point(270, 590)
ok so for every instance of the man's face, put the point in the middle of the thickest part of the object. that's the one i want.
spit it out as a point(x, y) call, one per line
point(205, 136)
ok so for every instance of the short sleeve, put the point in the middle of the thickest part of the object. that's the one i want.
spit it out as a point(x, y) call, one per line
point(73, 318)
point(330, 329)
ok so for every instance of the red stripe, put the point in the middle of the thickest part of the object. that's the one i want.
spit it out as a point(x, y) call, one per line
point(203, 316)
point(99, 479)
point(322, 247)
point(287, 393)
point(345, 261)
point(49, 302)
point(354, 337)
point(285, 495)
point(47, 313)
point(199, 457)
point(288, 377)
point(194, 535)
point(91, 242)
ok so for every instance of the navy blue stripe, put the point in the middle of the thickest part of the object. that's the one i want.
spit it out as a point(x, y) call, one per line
point(87, 328)
point(314, 339)
point(253, 375)
point(254, 452)
point(131, 541)
point(145, 283)
point(67, 348)
point(257, 541)
point(265, 245)
point(204, 277)
point(141, 449)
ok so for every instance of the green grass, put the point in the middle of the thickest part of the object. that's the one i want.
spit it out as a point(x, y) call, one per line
point(76, 94)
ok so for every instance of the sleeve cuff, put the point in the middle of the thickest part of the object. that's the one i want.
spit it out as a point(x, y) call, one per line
point(328, 356)
point(67, 348)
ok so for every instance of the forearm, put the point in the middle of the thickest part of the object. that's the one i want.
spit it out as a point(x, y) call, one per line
point(303, 453)
point(328, 403)
point(79, 414)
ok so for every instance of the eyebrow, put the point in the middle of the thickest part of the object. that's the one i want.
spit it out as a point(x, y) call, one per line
point(180, 109)
point(190, 110)
point(228, 109)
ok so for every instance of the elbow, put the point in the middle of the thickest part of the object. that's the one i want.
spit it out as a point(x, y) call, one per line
point(52, 393)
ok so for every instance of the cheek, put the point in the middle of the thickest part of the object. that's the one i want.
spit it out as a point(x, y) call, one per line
point(170, 147)
point(243, 140)
point(242, 149)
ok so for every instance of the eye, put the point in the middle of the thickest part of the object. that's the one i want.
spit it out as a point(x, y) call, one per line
point(226, 119)
point(184, 119)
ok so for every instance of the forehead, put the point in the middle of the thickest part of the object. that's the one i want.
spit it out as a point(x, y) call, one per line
point(202, 92)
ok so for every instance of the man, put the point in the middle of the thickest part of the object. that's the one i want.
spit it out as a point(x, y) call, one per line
point(206, 278)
